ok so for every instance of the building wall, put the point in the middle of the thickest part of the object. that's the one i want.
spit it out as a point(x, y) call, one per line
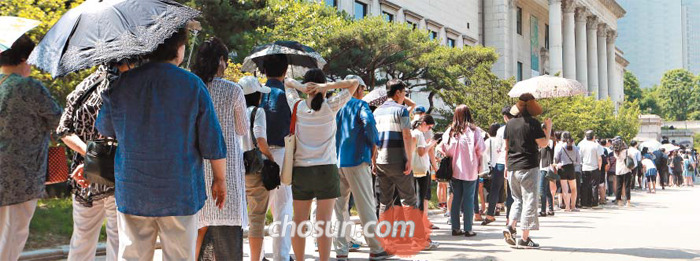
point(691, 13)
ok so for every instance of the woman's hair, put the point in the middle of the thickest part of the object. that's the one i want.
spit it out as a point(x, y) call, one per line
point(18, 53)
point(493, 129)
point(253, 99)
point(206, 63)
point(461, 119)
point(316, 76)
point(168, 49)
point(645, 150)
point(424, 118)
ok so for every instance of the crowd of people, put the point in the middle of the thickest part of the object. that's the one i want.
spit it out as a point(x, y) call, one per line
point(180, 173)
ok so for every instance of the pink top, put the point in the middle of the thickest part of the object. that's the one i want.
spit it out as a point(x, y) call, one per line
point(466, 160)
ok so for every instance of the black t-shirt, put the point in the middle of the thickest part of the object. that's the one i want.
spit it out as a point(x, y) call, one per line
point(521, 134)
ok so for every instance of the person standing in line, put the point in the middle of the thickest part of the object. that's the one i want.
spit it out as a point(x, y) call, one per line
point(592, 160)
point(464, 143)
point(676, 162)
point(421, 162)
point(392, 163)
point(92, 202)
point(622, 172)
point(524, 137)
point(610, 178)
point(492, 152)
point(637, 171)
point(650, 172)
point(160, 178)
point(547, 186)
point(278, 117)
point(223, 227)
point(256, 194)
point(604, 167)
point(688, 170)
point(661, 162)
point(356, 141)
point(498, 184)
point(28, 114)
point(315, 158)
point(566, 158)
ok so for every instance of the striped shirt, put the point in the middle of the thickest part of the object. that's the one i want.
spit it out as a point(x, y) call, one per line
point(392, 118)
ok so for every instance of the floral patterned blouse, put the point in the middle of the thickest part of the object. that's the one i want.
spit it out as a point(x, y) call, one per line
point(28, 113)
point(79, 119)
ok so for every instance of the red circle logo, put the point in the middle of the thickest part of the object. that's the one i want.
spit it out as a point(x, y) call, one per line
point(403, 231)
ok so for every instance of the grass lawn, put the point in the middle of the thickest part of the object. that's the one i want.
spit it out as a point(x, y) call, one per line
point(52, 224)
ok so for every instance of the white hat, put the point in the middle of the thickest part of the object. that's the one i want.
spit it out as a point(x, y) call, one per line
point(250, 84)
point(355, 77)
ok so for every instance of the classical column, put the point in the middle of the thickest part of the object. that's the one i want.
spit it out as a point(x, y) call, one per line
point(614, 89)
point(400, 16)
point(443, 36)
point(514, 39)
point(602, 61)
point(592, 53)
point(581, 59)
point(376, 8)
point(422, 25)
point(555, 41)
point(569, 44)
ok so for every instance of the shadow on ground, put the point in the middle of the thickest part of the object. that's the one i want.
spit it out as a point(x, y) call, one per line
point(684, 254)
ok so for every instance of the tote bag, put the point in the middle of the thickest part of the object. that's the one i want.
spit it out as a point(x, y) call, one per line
point(290, 142)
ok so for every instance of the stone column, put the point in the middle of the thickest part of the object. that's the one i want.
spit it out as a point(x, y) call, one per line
point(592, 53)
point(443, 36)
point(614, 89)
point(602, 61)
point(375, 8)
point(555, 37)
point(400, 16)
point(569, 44)
point(581, 59)
point(514, 39)
point(422, 25)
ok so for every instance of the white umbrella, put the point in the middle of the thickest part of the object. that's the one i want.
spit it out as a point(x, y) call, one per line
point(669, 147)
point(546, 86)
point(652, 145)
point(376, 97)
point(12, 28)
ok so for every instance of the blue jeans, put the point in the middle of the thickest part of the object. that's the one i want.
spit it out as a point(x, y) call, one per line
point(497, 180)
point(463, 192)
point(545, 193)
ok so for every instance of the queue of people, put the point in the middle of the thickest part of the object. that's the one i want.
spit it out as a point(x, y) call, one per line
point(182, 174)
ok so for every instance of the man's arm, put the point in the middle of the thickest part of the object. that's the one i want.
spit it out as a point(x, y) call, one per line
point(543, 142)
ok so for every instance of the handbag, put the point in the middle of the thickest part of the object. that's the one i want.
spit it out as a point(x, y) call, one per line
point(629, 162)
point(444, 172)
point(57, 170)
point(551, 175)
point(99, 161)
point(289, 149)
point(252, 159)
point(270, 174)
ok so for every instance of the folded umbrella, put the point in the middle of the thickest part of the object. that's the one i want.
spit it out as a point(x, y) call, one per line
point(100, 31)
point(12, 28)
point(301, 58)
point(546, 86)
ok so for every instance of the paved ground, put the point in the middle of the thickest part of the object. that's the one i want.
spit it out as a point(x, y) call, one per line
point(661, 226)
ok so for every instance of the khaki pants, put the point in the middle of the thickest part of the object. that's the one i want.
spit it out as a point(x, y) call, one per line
point(137, 237)
point(87, 223)
point(357, 180)
point(258, 198)
point(14, 228)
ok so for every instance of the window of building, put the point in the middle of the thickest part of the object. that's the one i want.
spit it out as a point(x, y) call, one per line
point(519, 77)
point(451, 42)
point(519, 21)
point(433, 35)
point(467, 25)
point(388, 17)
point(546, 36)
point(412, 24)
point(333, 3)
point(360, 10)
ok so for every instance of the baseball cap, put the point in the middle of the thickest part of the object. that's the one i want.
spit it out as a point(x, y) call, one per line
point(250, 84)
point(355, 77)
point(419, 109)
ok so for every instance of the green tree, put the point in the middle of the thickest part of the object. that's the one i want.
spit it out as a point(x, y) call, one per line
point(676, 93)
point(48, 12)
point(631, 85)
point(649, 103)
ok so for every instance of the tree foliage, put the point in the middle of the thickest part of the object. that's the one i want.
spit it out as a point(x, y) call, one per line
point(631, 86)
point(679, 94)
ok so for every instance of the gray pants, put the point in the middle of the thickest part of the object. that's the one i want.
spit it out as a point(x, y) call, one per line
point(357, 180)
point(523, 187)
point(391, 179)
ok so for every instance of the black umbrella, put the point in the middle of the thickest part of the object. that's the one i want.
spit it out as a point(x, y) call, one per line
point(300, 57)
point(100, 31)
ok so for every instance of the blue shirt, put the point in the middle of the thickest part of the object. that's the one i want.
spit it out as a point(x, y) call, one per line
point(165, 123)
point(277, 113)
point(356, 134)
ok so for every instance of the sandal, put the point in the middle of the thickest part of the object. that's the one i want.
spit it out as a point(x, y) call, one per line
point(487, 221)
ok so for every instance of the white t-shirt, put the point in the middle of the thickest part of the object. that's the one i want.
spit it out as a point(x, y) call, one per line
point(494, 148)
point(501, 159)
point(648, 164)
point(420, 163)
point(620, 166)
point(636, 155)
point(315, 130)
point(590, 152)
point(259, 129)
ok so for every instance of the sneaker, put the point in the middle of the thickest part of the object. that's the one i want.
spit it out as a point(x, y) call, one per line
point(380, 256)
point(354, 246)
point(529, 244)
point(432, 245)
point(447, 214)
point(457, 232)
point(550, 212)
point(509, 235)
point(543, 214)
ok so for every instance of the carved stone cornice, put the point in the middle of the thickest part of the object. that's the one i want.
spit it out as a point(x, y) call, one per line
point(568, 6)
point(614, 7)
point(611, 36)
point(554, 1)
point(582, 14)
point(592, 22)
point(514, 3)
point(602, 30)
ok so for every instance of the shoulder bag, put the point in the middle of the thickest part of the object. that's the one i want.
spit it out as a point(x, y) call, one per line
point(444, 172)
point(289, 149)
point(629, 162)
point(252, 159)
